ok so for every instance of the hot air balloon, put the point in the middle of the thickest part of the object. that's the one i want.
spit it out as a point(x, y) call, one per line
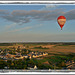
point(61, 21)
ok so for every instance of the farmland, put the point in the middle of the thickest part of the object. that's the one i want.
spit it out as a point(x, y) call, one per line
point(57, 54)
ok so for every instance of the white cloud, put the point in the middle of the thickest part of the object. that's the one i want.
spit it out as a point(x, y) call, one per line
point(26, 28)
point(10, 26)
point(51, 6)
point(48, 7)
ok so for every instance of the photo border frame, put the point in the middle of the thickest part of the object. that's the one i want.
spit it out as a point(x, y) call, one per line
point(37, 71)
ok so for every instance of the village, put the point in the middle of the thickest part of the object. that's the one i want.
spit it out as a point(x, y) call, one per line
point(18, 55)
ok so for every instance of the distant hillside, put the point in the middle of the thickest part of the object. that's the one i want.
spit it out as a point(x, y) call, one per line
point(6, 44)
point(50, 43)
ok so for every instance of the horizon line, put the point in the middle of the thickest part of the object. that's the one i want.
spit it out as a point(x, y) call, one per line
point(40, 42)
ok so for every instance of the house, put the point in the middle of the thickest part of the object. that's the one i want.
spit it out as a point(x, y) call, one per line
point(49, 69)
point(40, 54)
point(24, 47)
point(34, 55)
point(73, 61)
point(32, 52)
point(17, 57)
point(21, 57)
point(25, 56)
point(35, 52)
point(1, 51)
point(16, 49)
point(8, 55)
point(37, 55)
point(35, 67)
point(29, 57)
point(18, 54)
point(6, 67)
point(45, 53)
point(5, 60)
point(32, 67)
point(1, 56)
point(69, 62)
point(72, 66)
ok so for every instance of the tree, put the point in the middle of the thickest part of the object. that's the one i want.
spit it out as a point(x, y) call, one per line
point(2, 64)
point(14, 48)
point(27, 46)
point(31, 62)
point(63, 64)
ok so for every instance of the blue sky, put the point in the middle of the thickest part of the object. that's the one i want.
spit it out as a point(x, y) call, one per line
point(36, 23)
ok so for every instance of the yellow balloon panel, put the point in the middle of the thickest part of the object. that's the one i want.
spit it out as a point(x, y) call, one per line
point(61, 21)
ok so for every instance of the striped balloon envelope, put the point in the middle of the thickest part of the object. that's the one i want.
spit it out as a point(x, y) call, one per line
point(61, 21)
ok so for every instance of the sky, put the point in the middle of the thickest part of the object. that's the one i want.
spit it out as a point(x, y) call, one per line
point(36, 23)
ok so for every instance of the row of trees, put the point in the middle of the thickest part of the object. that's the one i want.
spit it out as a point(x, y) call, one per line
point(22, 64)
point(25, 63)
point(16, 64)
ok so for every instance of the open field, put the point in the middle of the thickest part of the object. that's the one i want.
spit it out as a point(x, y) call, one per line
point(50, 48)
point(57, 49)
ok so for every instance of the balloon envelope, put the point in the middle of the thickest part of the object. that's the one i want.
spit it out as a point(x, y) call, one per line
point(61, 21)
